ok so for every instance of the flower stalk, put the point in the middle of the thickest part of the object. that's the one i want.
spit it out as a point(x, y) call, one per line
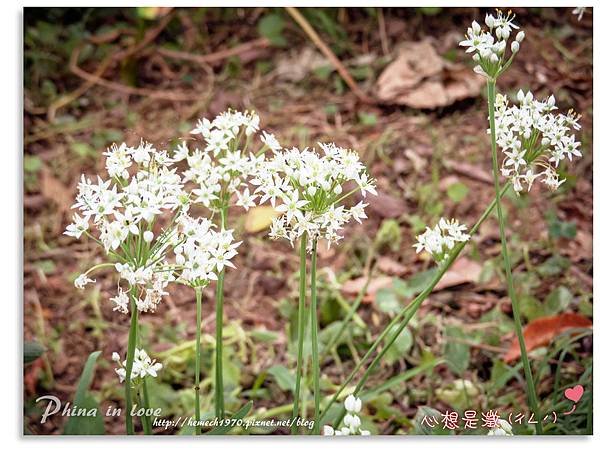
point(314, 321)
point(300, 340)
point(131, 343)
point(197, 360)
point(531, 394)
point(219, 391)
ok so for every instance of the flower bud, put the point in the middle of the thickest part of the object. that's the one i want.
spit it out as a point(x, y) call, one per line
point(490, 21)
point(476, 27)
point(148, 236)
point(520, 36)
point(551, 101)
point(312, 190)
point(337, 189)
point(520, 95)
point(476, 57)
point(514, 47)
point(494, 58)
point(115, 357)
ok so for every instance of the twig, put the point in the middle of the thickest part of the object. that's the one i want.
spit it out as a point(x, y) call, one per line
point(312, 34)
point(96, 78)
point(382, 32)
point(213, 58)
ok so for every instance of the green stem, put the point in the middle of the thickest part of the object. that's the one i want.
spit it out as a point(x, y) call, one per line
point(197, 365)
point(219, 396)
point(531, 395)
point(129, 364)
point(314, 321)
point(300, 340)
point(407, 313)
point(144, 401)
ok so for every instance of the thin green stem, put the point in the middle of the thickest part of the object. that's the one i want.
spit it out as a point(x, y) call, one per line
point(129, 364)
point(531, 395)
point(197, 365)
point(219, 392)
point(300, 340)
point(407, 313)
point(314, 321)
point(145, 402)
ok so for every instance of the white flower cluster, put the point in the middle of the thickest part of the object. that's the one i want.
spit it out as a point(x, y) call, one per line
point(142, 366)
point(489, 47)
point(352, 421)
point(532, 136)
point(440, 240)
point(224, 165)
point(504, 428)
point(202, 252)
point(307, 189)
point(128, 210)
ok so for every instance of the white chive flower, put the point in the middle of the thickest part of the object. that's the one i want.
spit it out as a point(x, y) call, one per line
point(439, 241)
point(352, 421)
point(128, 215)
point(488, 47)
point(226, 161)
point(142, 366)
point(503, 428)
point(306, 187)
point(534, 139)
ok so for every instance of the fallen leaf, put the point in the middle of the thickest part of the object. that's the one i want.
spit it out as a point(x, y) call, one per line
point(462, 271)
point(385, 206)
point(354, 286)
point(420, 78)
point(53, 190)
point(391, 267)
point(541, 331)
point(259, 218)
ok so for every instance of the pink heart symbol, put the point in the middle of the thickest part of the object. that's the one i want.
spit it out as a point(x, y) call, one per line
point(575, 393)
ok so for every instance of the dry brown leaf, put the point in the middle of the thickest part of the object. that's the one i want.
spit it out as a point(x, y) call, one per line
point(541, 332)
point(420, 78)
point(353, 287)
point(462, 271)
point(55, 191)
point(385, 205)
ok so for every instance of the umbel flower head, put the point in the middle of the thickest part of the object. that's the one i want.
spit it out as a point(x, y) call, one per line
point(145, 192)
point(352, 421)
point(490, 47)
point(306, 187)
point(142, 366)
point(222, 167)
point(534, 139)
point(440, 240)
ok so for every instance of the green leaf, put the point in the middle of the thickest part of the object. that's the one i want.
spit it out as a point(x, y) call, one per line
point(553, 266)
point(401, 345)
point(222, 430)
point(558, 300)
point(531, 307)
point(368, 119)
point(82, 150)
point(283, 377)
point(387, 301)
point(32, 163)
point(457, 354)
point(457, 191)
point(271, 26)
point(86, 425)
point(31, 351)
point(428, 421)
